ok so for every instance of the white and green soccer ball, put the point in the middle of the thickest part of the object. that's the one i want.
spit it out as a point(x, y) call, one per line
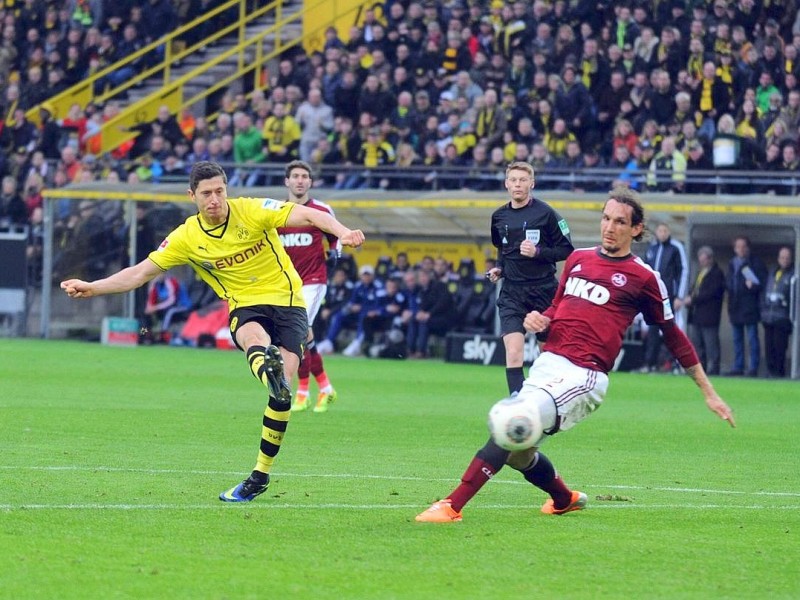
point(515, 423)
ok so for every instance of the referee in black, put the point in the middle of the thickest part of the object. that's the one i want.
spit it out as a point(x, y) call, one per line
point(530, 238)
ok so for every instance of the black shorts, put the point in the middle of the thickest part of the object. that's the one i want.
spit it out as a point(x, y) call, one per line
point(286, 325)
point(517, 300)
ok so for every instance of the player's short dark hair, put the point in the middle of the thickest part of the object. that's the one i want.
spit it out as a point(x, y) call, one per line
point(625, 195)
point(205, 169)
point(298, 164)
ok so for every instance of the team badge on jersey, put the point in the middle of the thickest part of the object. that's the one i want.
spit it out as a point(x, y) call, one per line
point(533, 235)
point(619, 279)
point(242, 233)
point(271, 204)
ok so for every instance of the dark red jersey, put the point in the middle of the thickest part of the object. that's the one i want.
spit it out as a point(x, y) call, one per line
point(306, 248)
point(597, 299)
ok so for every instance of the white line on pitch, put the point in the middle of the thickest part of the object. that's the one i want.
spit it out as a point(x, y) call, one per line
point(279, 474)
point(329, 506)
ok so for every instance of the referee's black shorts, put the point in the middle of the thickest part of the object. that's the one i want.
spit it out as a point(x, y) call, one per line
point(517, 300)
point(286, 325)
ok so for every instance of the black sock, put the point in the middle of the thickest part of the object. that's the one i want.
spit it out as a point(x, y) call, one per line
point(493, 454)
point(542, 474)
point(259, 477)
point(515, 378)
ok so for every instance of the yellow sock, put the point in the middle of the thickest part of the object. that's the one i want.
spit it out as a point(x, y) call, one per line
point(276, 418)
point(255, 358)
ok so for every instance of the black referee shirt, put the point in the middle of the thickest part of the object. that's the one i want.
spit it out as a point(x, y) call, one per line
point(535, 221)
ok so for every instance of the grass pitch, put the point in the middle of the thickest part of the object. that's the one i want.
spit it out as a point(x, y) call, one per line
point(112, 459)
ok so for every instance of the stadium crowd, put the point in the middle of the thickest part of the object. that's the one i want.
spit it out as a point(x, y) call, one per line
point(421, 95)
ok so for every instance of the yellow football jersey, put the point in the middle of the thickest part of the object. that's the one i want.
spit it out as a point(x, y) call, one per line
point(242, 259)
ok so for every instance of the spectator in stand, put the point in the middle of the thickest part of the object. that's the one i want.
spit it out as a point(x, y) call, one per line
point(746, 278)
point(491, 122)
point(158, 19)
point(711, 99)
point(364, 302)
point(402, 120)
point(375, 152)
point(556, 140)
point(573, 103)
point(698, 160)
point(748, 124)
point(281, 134)
point(34, 90)
point(790, 164)
point(594, 70)
point(389, 317)
point(166, 298)
point(346, 96)
point(248, 150)
point(660, 101)
point(455, 56)
point(409, 168)
point(434, 315)
point(667, 171)
point(626, 164)
point(624, 135)
point(668, 54)
point(315, 119)
point(464, 87)
point(338, 294)
point(12, 206)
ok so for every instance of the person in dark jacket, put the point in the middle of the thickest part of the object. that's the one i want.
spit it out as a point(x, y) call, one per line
point(434, 313)
point(747, 275)
point(775, 316)
point(573, 103)
point(12, 206)
point(667, 256)
point(704, 304)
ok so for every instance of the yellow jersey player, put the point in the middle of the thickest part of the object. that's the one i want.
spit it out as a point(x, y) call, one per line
point(233, 245)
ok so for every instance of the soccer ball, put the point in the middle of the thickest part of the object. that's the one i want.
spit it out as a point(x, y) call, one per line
point(515, 423)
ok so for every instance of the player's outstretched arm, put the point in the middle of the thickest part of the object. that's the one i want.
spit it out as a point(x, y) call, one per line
point(122, 281)
point(303, 216)
point(713, 401)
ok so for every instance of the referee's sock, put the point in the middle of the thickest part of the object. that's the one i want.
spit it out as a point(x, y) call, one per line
point(515, 378)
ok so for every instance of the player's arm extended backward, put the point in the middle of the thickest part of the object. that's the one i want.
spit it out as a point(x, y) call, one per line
point(125, 280)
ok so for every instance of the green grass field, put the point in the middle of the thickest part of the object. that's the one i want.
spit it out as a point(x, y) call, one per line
point(111, 461)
